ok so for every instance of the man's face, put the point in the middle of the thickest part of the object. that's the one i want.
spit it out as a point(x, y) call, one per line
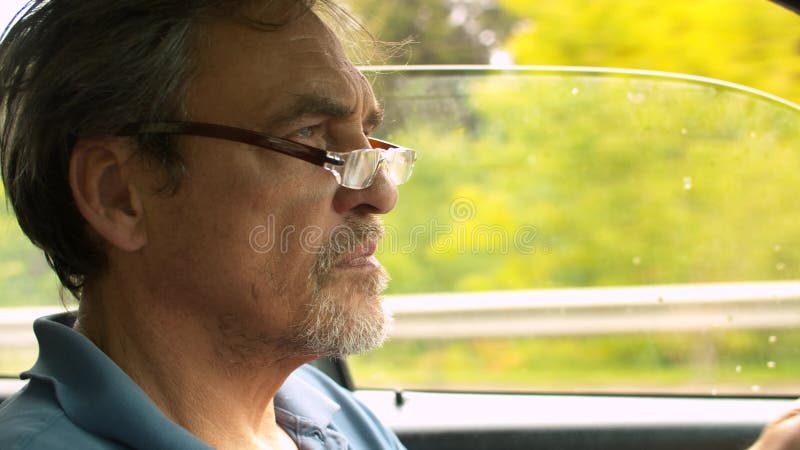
point(267, 250)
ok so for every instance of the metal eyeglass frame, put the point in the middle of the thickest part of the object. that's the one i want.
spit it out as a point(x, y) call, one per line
point(334, 162)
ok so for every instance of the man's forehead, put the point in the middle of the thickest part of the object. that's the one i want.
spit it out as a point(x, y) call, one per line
point(274, 73)
point(306, 33)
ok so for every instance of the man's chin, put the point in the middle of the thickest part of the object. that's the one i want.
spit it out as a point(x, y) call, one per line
point(362, 325)
point(346, 316)
point(362, 338)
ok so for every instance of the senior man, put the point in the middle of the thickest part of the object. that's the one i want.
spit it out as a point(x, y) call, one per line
point(199, 175)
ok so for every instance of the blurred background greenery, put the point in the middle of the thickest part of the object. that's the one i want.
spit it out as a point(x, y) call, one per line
point(25, 277)
point(751, 42)
point(620, 179)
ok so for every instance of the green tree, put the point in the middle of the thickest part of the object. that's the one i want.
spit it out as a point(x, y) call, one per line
point(439, 31)
point(623, 181)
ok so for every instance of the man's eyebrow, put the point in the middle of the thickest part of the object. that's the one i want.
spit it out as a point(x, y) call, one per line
point(310, 105)
point(375, 117)
point(319, 105)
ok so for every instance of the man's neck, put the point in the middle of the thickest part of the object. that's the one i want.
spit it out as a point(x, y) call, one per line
point(180, 363)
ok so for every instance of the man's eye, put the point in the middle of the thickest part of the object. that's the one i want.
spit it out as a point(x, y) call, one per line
point(305, 132)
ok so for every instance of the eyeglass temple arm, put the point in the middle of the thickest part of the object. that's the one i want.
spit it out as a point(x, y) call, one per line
point(295, 149)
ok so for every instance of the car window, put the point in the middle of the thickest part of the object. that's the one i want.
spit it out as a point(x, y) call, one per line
point(577, 230)
point(590, 230)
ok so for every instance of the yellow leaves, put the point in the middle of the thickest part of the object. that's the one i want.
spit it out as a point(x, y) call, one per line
point(750, 42)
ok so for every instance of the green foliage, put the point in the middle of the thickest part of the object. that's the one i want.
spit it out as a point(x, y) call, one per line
point(621, 180)
point(25, 277)
point(751, 42)
point(454, 27)
point(627, 181)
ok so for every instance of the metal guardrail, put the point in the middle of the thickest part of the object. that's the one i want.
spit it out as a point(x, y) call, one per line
point(591, 311)
point(579, 311)
point(16, 324)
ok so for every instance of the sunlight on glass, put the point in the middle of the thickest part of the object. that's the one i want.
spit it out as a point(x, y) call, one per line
point(500, 58)
point(8, 8)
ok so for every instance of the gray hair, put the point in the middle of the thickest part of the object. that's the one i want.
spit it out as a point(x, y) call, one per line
point(73, 68)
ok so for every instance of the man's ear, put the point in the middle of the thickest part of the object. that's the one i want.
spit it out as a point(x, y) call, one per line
point(101, 176)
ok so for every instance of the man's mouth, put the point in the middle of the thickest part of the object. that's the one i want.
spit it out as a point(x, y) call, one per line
point(361, 256)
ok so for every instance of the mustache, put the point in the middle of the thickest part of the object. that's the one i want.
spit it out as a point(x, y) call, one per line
point(354, 233)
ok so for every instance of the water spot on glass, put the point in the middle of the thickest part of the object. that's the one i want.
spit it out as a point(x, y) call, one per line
point(660, 299)
point(714, 392)
point(687, 183)
point(636, 97)
point(780, 266)
point(773, 339)
point(770, 364)
point(755, 388)
point(738, 369)
point(636, 260)
point(458, 15)
point(753, 134)
point(777, 248)
point(531, 159)
point(487, 37)
point(684, 131)
point(575, 91)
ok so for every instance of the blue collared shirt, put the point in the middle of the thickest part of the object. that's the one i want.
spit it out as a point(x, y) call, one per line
point(77, 398)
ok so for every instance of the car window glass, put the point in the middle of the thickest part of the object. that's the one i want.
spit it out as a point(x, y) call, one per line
point(590, 231)
point(659, 210)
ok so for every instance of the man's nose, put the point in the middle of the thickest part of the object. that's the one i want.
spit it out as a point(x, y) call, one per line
point(379, 198)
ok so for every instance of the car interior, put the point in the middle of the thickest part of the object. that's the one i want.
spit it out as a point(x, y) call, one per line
point(588, 256)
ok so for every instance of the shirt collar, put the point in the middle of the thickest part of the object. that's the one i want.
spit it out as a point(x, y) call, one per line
point(96, 394)
point(301, 399)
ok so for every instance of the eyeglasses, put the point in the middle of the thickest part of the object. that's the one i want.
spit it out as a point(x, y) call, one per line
point(355, 169)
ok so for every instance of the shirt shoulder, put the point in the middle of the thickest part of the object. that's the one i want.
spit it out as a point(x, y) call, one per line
point(354, 420)
point(33, 420)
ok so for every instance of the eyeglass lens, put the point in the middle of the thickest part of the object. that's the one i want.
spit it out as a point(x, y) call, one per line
point(362, 165)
